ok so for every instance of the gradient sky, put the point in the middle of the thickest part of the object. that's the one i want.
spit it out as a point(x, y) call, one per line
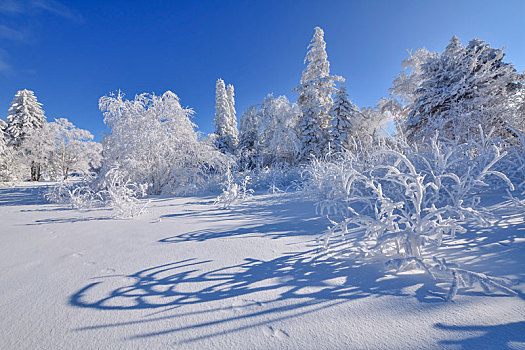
point(73, 52)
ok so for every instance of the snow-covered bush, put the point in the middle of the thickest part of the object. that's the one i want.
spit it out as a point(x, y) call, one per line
point(276, 178)
point(514, 163)
point(405, 200)
point(77, 195)
point(116, 192)
point(123, 195)
point(153, 143)
point(233, 191)
point(465, 278)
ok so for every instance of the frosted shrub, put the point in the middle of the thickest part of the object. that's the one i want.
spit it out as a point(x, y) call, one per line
point(233, 192)
point(122, 195)
point(465, 278)
point(78, 195)
point(405, 201)
point(245, 191)
point(514, 164)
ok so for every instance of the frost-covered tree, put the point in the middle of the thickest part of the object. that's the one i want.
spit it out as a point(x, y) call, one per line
point(345, 121)
point(233, 114)
point(25, 119)
point(153, 142)
point(315, 98)
point(407, 82)
point(269, 133)
point(248, 128)
point(73, 151)
point(462, 88)
point(36, 149)
point(277, 133)
point(25, 115)
point(6, 159)
point(225, 121)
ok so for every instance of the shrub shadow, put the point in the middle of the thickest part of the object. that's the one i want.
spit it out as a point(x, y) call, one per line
point(493, 337)
point(298, 283)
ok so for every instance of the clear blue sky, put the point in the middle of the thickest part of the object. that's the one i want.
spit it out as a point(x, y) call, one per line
point(73, 52)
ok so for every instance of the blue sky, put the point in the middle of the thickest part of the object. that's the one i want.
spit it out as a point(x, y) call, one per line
point(73, 52)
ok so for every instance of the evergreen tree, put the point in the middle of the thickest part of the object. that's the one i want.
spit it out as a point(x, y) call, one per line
point(462, 88)
point(344, 121)
point(25, 119)
point(315, 98)
point(232, 115)
point(225, 121)
point(25, 115)
point(248, 127)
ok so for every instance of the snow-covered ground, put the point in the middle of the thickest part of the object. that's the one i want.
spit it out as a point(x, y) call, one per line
point(190, 275)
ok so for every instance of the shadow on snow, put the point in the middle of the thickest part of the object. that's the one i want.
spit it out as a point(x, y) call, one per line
point(13, 196)
point(291, 285)
point(495, 336)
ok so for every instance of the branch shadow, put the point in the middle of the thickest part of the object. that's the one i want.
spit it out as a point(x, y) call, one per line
point(285, 287)
point(496, 250)
point(275, 216)
point(271, 230)
point(269, 205)
point(494, 337)
point(68, 220)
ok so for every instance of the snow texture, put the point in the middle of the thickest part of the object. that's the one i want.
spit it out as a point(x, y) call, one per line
point(190, 275)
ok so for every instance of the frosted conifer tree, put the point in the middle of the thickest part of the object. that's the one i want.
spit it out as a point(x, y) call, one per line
point(25, 115)
point(344, 121)
point(232, 116)
point(462, 88)
point(26, 118)
point(225, 122)
point(248, 127)
point(315, 98)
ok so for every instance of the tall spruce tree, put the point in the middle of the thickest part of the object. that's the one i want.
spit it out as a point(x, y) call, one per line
point(230, 94)
point(225, 122)
point(248, 129)
point(25, 120)
point(25, 115)
point(344, 121)
point(315, 99)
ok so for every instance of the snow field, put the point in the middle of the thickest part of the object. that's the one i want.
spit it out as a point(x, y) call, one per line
point(190, 275)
